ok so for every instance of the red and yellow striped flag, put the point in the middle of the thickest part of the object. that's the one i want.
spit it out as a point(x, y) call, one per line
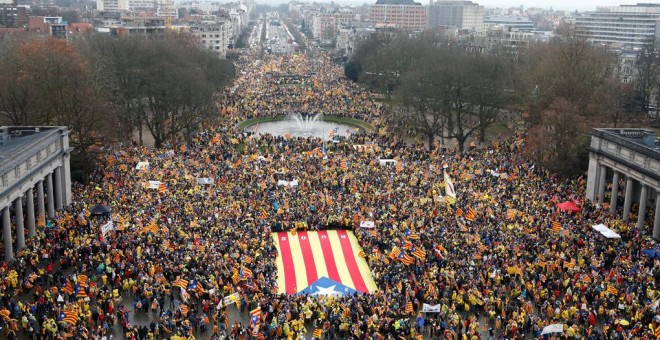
point(471, 215)
point(162, 188)
point(69, 316)
point(317, 333)
point(556, 226)
point(459, 212)
point(612, 290)
point(409, 308)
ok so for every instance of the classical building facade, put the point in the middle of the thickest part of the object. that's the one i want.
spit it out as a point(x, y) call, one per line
point(630, 154)
point(31, 159)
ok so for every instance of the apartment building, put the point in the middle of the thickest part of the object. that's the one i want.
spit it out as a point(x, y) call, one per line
point(405, 15)
point(463, 15)
point(633, 26)
point(514, 24)
point(213, 35)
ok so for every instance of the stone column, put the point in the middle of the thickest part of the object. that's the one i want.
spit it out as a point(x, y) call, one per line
point(29, 198)
point(66, 180)
point(602, 181)
point(6, 235)
point(41, 209)
point(20, 231)
point(51, 195)
point(628, 199)
point(58, 188)
point(615, 192)
point(641, 214)
point(656, 220)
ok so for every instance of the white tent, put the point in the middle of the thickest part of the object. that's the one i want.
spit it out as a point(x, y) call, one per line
point(605, 231)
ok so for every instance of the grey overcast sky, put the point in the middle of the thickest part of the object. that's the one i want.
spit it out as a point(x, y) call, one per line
point(581, 5)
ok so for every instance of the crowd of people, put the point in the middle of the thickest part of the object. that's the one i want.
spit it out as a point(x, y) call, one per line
point(192, 225)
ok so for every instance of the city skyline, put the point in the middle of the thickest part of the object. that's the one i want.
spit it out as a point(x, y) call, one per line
point(587, 5)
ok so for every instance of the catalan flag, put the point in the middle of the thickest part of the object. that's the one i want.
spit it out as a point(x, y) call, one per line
point(419, 253)
point(183, 148)
point(344, 165)
point(612, 290)
point(68, 287)
point(459, 212)
point(431, 290)
point(152, 227)
point(556, 226)
point(407, 245)
point(412, 235)
point(471, 215)
point(181, 283)
point(83, 280)
point(309, 256)
point(69, 316)
point(81, 294)
point(318, 333)
point(394, 253)
point(255, 318)
point(406, 259)
point(245, 273)
point(570, 265)
point(236, 276)
point(657, 332)
point(162, 188)
point(399, 166)
point(184, 309)
point(409, 308)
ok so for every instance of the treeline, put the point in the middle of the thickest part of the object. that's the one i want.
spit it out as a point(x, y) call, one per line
point(560, 90)
point(107, 88)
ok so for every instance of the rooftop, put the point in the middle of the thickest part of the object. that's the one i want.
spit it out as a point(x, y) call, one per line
point(15, 140)
point(641, 138)
point(397, 2)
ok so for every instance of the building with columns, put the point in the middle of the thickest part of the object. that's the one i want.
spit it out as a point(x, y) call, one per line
point(35, 180)
point(631, 156)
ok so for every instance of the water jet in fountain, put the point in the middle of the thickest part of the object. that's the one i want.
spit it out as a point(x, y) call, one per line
point(304, 125)
point(306, 122)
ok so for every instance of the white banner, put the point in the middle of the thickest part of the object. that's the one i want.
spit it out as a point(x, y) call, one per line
point(554, 328)
point(232, 298)
point(142, 165)
point(107, 227)
point(153, 184)
point(288, 183)
point(426, 308)
point(367, 224)
point(205, 181)
point(387, 162)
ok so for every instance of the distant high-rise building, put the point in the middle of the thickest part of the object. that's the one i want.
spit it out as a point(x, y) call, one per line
point(516, 24)
point(406, 15)
point(463, 15)
point(632, 26)
point(112, 5)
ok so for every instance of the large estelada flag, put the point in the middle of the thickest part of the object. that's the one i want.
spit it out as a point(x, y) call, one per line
point(305, 257)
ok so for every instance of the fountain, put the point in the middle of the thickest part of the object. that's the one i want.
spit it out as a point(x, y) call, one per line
point(305, 125)
point(306, 122)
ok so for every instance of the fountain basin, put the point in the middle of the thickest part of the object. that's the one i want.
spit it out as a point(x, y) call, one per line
point(320, 128)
